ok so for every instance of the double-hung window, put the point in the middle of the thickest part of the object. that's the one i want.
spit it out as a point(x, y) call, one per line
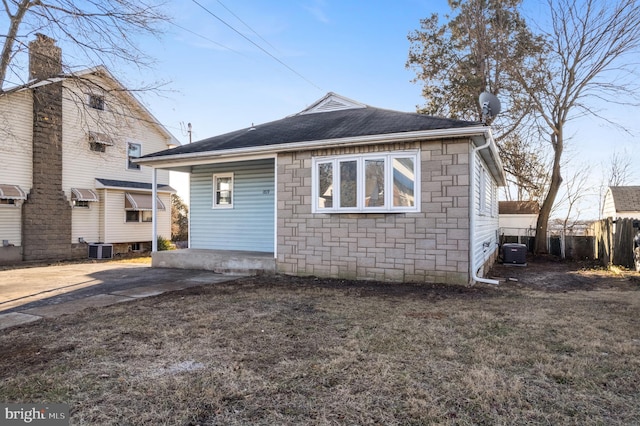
point(223, 191)
point(134, 150)
point(380, 182)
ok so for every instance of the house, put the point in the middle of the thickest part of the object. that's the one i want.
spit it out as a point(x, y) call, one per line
point(67, 176)
point(343, 189)
point(518, 220)
point(622, 201)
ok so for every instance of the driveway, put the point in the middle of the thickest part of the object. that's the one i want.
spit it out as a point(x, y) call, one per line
point(29, 294)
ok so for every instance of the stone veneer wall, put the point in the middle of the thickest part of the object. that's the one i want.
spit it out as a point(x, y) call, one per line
point(431, 246)
point(46, 214)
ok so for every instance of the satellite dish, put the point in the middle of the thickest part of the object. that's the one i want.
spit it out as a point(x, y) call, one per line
point(490, 106)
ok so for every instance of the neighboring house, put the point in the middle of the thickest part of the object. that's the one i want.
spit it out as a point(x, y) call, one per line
point(622, 201)
point(518, 220)
point(67, 176)
point(343, 189)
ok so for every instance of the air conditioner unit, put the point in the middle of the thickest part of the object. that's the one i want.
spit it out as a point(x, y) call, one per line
point(100, 251)
point(514, 254)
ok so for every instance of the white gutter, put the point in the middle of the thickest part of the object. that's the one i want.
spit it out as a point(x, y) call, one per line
point(193, 158)
point(472, 212)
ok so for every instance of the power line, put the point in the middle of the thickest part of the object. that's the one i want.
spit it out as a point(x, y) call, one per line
point(258, 46)
point(206, 38)
point(247, 25)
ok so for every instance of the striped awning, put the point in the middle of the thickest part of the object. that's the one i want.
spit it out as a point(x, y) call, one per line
point(84, 194)
point(12, 192)
point(141, 202)
point(100, 138)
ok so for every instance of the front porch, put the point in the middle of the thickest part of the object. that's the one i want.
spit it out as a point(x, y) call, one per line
point(230, 262)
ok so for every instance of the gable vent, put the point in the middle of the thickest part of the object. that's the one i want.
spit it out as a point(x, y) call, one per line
point(332, 102)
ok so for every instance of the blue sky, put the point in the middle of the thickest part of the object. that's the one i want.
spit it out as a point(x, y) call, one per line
point(220, 82)
point(355, 48)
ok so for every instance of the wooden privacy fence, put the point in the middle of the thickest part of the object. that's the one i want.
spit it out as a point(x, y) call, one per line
point(613, 243)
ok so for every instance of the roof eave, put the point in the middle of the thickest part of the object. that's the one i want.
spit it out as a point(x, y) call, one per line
point(195, 158)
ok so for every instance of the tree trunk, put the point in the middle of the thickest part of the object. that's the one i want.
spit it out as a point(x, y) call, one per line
point(540, 245)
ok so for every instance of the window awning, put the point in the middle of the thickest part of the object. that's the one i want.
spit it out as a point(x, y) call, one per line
point(141, 202)
point(12, 192)
point(84, 194)
point(100, 138)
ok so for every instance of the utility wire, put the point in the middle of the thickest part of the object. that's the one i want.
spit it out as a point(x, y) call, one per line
point(247, 25)
point(258, 46)
point(206, 38)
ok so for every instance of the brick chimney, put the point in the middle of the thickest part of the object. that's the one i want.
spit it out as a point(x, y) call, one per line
point(46, 214)
point(45, 58)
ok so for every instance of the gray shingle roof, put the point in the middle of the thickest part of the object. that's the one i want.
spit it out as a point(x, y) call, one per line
point(133, 185)
point(626, 198)
point(324, 124)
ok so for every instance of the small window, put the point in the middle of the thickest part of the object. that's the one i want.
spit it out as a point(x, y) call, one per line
point(81, 204)
point(223, 191)
point(96, 102)
point(98, 142)
point(147, 216)
point(133, 216)
point(9, 201)
point(134, 150)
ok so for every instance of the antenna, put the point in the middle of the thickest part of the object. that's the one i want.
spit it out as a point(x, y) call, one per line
point(189, 131)
point(490, 105)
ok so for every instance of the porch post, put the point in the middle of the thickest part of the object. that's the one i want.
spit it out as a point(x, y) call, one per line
point(154, 210)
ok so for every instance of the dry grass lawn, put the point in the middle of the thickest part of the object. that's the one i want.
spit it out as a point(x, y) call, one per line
point(282, 350)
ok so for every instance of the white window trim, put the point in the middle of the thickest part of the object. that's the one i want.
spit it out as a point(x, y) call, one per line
point(388, 157)
point(215, 186)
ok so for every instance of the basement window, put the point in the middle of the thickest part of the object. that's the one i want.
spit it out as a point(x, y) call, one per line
point(386, 182)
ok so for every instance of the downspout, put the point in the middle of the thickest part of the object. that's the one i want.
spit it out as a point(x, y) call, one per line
point(154, 210)
point(472, 215)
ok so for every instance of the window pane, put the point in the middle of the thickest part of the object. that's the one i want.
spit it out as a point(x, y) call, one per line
point(134, 151)
point(147, 216)
point(374, 183)
point(132, 215)
point(325, 185)
point(348, 184)
point(403, 182)
point(223, 190)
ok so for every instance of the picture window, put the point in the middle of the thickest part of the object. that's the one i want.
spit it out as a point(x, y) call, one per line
point(381, 182)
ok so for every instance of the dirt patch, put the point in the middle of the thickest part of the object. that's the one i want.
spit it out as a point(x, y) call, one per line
point(550, 274)
point(290, 350)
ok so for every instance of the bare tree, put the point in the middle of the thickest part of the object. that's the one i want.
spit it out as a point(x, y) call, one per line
point(477, 50)
point(618, 172)
point(590, 48)
point(99, 31)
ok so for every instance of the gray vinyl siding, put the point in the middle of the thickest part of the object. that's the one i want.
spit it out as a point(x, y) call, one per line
point(249, 225)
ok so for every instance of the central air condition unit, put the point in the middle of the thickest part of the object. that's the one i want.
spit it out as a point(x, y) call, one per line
point(100, 251)
point(514, 254)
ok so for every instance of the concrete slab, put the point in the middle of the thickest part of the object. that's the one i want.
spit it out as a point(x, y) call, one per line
point(97, 301)
point(139, 292)
point(228, 262)
point(16, 318)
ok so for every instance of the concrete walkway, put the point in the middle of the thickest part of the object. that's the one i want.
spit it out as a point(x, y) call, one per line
point(29, 294)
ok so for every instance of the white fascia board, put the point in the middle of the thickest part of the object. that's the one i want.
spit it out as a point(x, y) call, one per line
point(126, 188)
point(195, 158)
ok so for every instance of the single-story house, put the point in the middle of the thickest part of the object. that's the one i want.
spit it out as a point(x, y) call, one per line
point(343, 189)
point(622, 201)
